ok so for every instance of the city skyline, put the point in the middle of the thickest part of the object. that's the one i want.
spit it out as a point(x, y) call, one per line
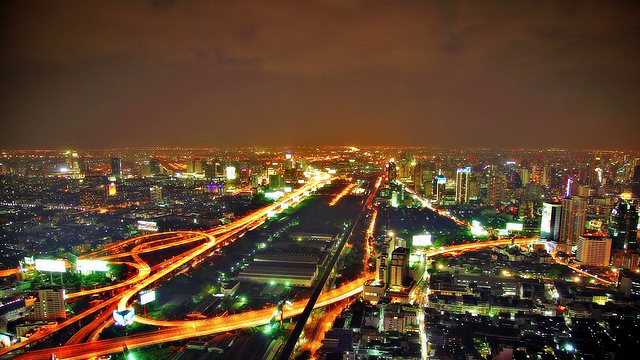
point(442, 74)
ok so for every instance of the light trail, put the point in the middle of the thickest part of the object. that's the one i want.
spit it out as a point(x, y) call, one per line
point(342, 194)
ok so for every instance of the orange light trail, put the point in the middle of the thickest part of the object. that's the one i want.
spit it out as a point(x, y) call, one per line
point(344, 192)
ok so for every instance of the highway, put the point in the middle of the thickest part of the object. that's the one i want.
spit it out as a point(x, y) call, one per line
point(185, 329)
point(144, 276)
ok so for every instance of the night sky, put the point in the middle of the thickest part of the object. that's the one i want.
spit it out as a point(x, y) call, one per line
point(531, 74)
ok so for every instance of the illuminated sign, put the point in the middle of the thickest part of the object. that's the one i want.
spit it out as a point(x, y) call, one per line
point(476, 228)
point(147, 225)
point(465, 170)
point(231, 172)
point(124, 317)
point(274, 195)
point(50, 265)
point(440, 179)
point(145, 297)
point(422, 240)
point(514, 227)
point(85, 266)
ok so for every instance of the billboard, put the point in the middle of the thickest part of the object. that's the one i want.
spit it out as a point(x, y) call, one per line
point(92, 265)
point(514, 227)
point(50, 265)
point(422, 240)
point(124, 317)
point(147, 225)
point(145, 297)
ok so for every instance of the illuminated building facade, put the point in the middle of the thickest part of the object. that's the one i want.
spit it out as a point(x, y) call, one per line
point(399, 267)
point(155, 194)
point(623, 226)
point(550, 223)
point(392, 171)
point(635, 183)
point(116, 167)
point(439, 187)
point(462, 185)
point(50, 304)
point(573, 222)
point(593, 250)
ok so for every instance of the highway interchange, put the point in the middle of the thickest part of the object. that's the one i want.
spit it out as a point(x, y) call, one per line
point(85, 343)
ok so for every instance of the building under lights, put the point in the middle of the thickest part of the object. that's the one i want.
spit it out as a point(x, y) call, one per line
point(593, 250)
point(399, 267)
point(462, 185)
point(50, 304)
point(550, 222)
point(116, 167)
point(573, 221)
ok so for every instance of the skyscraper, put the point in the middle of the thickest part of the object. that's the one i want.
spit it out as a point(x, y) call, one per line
point(551, 220)
point(399, 269)
point(635, 183)
point(392, 172)
point(116, 167)
point(462, 185)
point(573, 222)
point(623, 226)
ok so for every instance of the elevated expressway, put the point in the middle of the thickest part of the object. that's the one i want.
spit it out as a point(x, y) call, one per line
point(185, 329)
point(169, 331)
point(207, 241)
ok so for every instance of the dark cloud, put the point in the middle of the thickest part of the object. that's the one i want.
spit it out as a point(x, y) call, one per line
point(503, 73)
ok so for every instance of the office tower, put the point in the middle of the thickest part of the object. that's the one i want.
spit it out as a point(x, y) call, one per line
point(72, 161)
point(418, 178)
point(382, 263)
point(50, 304)
point(623, 226)
point(629, 284)
point(194, 165)
point(551, 220)
point(462, 185)
point(155, 166)
point(155, 193)
point(525, 176)
point(116, 167)
point(495, 190)
point(439, 187)
point(392, 172)
point(399, 269)
point(593, 250)
point(573, 222)
point(635, 183)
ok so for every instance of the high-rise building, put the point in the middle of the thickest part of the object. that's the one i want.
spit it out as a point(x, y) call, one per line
point(593, 250)
point(439, 187)
point(462, 185)
point(623, 226)
point(155, 194)
point(392, 172)
point(635, 183)
point(495, 190)
point(194, 165)
point(418, 174)
point(155, 166)
point(574, 219)
point(116, 167)
point(399, 268)
point(50, 304)
point(551, 220)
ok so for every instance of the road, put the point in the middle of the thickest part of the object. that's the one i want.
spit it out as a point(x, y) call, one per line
point(144, 277)
point(185, 329)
